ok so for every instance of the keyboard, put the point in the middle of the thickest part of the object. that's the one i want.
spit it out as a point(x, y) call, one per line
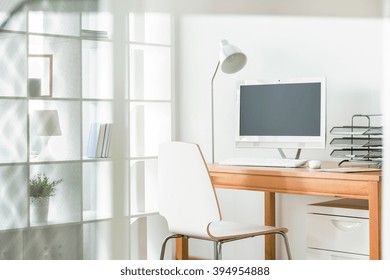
point(266, 162)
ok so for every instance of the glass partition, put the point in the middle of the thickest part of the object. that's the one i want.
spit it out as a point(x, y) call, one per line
point(79, 136)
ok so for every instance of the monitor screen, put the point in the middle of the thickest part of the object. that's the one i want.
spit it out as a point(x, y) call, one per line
point(282, 113)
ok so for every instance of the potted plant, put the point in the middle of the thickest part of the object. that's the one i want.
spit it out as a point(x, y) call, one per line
point(41, 189)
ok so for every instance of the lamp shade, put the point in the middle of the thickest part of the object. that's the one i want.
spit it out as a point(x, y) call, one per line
point(45, 123)
point(231, 58)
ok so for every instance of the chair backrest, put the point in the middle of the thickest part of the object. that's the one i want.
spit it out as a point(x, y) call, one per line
point(187, 198)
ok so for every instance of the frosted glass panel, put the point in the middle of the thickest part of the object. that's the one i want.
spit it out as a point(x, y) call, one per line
point(13, 127)
point(97, 69)
point(17, 22)
point(97, 241)
point(65, 205)
point(61, 23)
point(150, 27)
point(13, 65)
point(66, 63)
point(97, 21)
point(97, 190)
point(150, 124)
point(13, 197)
point(54, 243)
point(143, 176)
point(62, 147)
point(150, 72)
point(11, 247)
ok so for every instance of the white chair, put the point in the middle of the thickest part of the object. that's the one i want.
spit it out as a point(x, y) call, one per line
point(188, 201)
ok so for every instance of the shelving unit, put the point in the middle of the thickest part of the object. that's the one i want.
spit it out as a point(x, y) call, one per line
point(359, 143)
point(81, 212)
point(84, 195)
point(151, 106)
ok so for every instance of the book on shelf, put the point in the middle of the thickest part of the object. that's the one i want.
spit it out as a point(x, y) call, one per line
point(94, 34)
point(99, 140)
point(106, 140)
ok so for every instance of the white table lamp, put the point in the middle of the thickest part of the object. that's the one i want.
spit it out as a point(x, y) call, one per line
point(231, 60)
point(45, 123)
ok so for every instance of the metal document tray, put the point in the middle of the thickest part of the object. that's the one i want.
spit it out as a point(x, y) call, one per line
point(359, 142)
point(356, 130)
point(356, 142)
point(357, 153)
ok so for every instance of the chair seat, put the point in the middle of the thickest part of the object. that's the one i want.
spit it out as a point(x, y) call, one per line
point(224, 230)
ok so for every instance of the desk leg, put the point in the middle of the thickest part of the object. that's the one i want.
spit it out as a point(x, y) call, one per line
point(269, 219)
point(374, 207)
point(181, 248)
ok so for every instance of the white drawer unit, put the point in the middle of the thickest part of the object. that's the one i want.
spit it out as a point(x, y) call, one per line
point(338, 229)
point(317, 254)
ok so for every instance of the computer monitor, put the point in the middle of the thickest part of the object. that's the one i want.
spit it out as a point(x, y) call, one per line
point(282, 113)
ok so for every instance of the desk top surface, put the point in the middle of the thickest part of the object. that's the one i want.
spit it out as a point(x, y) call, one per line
point(296, 172)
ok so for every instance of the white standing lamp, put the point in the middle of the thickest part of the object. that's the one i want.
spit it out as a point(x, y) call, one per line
point(231, 60)
point(45, 123)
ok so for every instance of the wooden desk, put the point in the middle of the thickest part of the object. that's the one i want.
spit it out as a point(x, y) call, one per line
point(364, 185)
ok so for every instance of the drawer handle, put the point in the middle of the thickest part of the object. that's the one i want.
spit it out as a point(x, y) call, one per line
point(346, 226)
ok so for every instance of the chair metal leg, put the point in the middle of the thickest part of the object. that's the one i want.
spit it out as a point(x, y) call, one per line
point(217, 250)
point(165, 243)
point(286, 243)
point(218, 245)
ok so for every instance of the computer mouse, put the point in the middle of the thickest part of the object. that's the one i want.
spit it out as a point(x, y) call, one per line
point(314, 164)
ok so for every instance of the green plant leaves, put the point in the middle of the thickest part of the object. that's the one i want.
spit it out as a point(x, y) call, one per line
point(40, 186)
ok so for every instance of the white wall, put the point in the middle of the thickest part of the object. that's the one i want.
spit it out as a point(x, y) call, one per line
point(348, 51)
point(386, 168)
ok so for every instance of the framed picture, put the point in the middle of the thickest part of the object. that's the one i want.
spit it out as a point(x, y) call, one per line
point(40, 75)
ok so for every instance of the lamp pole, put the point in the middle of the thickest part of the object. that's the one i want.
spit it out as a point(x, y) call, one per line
point(231, 60)
point(212, 112)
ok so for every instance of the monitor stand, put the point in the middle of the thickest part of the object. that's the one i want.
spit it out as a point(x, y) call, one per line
point(297, 155)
